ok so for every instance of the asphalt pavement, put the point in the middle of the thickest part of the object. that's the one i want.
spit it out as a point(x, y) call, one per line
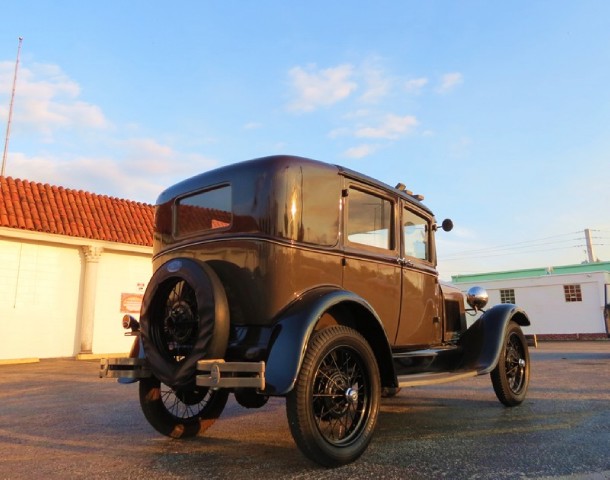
point(58, 420)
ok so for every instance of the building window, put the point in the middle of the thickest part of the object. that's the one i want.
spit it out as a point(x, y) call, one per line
point(572, 293)
point(507, 295)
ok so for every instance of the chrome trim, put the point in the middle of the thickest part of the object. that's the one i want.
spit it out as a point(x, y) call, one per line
point(124, 368)
point(420, 379)
point(217, 373)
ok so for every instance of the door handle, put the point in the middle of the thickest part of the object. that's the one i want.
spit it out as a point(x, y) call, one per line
point(405, 262)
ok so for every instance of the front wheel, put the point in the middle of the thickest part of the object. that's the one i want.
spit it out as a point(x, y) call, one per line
point(180, 413)
point(333, 407)
point(511, 376)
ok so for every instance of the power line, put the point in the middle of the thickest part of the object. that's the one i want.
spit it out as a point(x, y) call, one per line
point(521, 245)
point(545, 244)
point(537, 249)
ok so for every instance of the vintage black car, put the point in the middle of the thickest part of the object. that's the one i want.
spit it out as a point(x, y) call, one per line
point(284, 276)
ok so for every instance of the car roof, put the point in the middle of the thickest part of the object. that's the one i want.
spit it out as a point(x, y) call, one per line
point(276, 163)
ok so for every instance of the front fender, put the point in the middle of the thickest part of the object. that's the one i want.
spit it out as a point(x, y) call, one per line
point(483, 341)
point(295, 327)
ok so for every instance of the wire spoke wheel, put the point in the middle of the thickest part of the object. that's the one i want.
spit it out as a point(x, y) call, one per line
point(341, 396)
point(510, 378)
point(515, 364)
point(333, 408)
point(184, 404)
point(180, 413)
point(175, 324)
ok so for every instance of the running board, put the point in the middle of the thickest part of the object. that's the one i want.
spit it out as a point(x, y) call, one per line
point(420, 379)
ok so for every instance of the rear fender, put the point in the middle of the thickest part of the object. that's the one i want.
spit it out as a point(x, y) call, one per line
point(296, 325)
point(483, 341)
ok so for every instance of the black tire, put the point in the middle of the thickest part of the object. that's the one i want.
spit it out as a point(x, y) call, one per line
point(332, 410)
point(250, 398)
point(184, 318)
point(511, 376)
point(180, 413)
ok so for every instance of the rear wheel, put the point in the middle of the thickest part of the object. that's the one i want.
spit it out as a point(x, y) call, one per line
point(510, 378)
point(180, 413)
point(333, 407)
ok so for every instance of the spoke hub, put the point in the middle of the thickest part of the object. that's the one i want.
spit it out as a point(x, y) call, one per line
point(180, 321)
point(351, 395)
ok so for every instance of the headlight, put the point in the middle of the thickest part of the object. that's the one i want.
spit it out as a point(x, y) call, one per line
point(477, 297)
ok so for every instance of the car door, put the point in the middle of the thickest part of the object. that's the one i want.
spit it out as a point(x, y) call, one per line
point(371, 251)
point(419, 323)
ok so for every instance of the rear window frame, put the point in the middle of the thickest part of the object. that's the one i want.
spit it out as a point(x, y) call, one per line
point(176, 230)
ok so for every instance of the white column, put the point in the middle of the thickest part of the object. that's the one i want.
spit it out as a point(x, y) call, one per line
point(92, 258)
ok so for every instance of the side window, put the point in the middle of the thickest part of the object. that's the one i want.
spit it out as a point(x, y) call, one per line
point(415, 235)
point(369, 220)
point(209, 210)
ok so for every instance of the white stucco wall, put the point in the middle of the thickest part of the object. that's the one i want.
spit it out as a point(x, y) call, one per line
point(39, 303)
point(119, 273)
point(42, 293)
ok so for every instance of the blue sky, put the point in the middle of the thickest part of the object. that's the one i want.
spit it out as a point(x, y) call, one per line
point(497, 112)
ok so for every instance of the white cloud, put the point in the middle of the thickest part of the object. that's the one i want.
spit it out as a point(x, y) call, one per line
point(46, 100)
point(449, 81)
point(339, 132)
point(253, 126)
point(148, 158)
point(415, 85)
point(360, 113)
point(360, 151)
point(141, 169)
point(377, 84)
point(392, 128)
point(316, 88)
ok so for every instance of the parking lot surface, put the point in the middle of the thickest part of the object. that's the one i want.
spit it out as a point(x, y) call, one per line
point(59, 420)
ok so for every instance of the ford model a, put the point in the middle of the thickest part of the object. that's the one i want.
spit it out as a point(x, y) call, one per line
point(284, 276)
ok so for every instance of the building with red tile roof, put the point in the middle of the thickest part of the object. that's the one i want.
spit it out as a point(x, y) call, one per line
point(57, 210)
point(72, 263)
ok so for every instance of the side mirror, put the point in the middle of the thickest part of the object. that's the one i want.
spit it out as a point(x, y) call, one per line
point(447, 225)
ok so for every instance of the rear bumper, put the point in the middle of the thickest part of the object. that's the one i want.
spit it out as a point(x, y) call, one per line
point(214, 373)
point(129, 368)
point(217, 373)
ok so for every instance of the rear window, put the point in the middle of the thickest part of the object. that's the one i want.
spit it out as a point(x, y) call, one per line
point(209, 210)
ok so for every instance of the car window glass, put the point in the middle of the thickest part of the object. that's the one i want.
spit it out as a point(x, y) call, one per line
point(207, 210)
point(415, 235)
point(369, 220)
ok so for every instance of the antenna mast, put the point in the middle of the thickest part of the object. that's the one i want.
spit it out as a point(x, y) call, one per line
point(10, 110)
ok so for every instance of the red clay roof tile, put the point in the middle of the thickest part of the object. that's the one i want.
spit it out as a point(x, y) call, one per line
point(43, 208)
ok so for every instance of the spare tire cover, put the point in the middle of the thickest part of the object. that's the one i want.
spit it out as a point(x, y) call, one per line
point(184, 318)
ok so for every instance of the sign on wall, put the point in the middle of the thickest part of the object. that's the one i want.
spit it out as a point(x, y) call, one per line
point(131, 302)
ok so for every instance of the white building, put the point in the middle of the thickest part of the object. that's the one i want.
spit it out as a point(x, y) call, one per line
point(565, 302)
point(71, 264)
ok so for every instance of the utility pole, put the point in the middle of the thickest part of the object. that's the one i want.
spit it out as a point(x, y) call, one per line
point(10, 110)
point(590, 253)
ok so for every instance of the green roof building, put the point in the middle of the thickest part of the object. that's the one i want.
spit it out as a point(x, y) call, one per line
point(563, 302)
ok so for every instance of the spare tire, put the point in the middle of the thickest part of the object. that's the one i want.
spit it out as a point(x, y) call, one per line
point(184, 318)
